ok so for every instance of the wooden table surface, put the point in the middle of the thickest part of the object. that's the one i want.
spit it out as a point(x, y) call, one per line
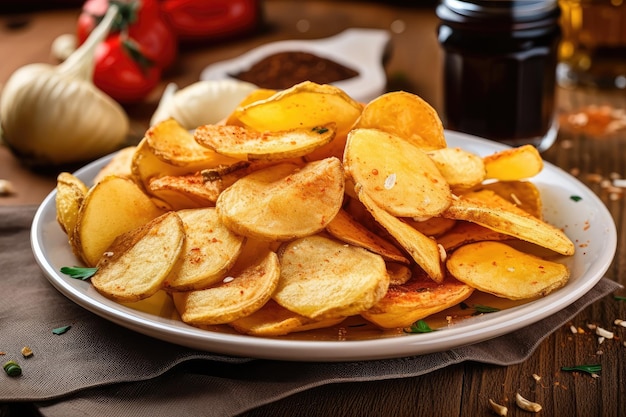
point(588, 146)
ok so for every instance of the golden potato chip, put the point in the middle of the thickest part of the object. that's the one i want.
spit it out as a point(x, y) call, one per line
point(256, 95)
point(186, 191)
point(433, 227)
point(239, 295)
point(304, 105)
point(514, 163)
point(460, 168)
point(210, 250)
point(274, 320)
point(407, 116)
point(418, 298)
point(120, 164)
point(284, 201)
point(524, 194)
point(322, 278)
point(397, 175)
point(172, 143)
point(490, 210)
point(398, 273)
point(498, 269)
point(422, 249)
point(345, 228)
point(70, 193)
point(465, 232)
point(247, 144)
point(113, 206)
point(135, 265)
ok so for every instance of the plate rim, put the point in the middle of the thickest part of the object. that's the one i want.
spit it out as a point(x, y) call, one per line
point(495, 324)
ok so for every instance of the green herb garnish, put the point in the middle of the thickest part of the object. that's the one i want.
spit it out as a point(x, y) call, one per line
point(320, 130)
point(78, 272)
point(61, 330)
point(619, 297)
point(575, 198)
point(419, 326)
point(590, 369)
point(480, 309)
point(12, 368)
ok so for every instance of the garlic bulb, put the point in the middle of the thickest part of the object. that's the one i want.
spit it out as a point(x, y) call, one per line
point(201, 103)
point(54, 115)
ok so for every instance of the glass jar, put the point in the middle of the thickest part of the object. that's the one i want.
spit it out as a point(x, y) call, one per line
point(500, 68)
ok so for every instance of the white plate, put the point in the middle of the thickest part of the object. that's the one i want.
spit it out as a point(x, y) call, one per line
point(356, 48)
point(587, 222)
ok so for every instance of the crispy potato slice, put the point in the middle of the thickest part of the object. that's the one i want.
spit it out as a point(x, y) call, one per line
point(435, 226)
point(113, 206)
point(465, 232)
point(460, 168)
point(71, 192)
point(172, 143)
point(514, 163)
point(135, 265)
point(345, 228)
point(323, 278)
point(249, 145)
point(405, 115)
point(238, 296)
point(304, 105)
point(490, 210)
point(210, 250)
point(274, 320)
point(498, 269)
point(422, 249)
point(284, 201)
point(397, 175)
point(119, 165)
point(186, 191)
point(398, 273)
point(418, 298)
point(524, 194)
point(256, 95)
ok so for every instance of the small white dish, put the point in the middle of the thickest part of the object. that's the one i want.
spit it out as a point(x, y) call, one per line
point(585, 219)
point(359, 49)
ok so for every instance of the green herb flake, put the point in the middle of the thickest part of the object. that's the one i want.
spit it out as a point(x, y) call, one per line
point(575, 198)
point(619, 297)
point(61, 330)
point(419, 326)
point(78, 272)
point(482, 309)
point(590, 369)
point(12, 368)
point(320, 130)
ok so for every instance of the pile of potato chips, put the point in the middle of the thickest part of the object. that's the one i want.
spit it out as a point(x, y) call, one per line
point(305, 207)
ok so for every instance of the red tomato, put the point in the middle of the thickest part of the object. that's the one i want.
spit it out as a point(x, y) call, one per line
point(123, 72)
point(141, 20)
point(195, 20)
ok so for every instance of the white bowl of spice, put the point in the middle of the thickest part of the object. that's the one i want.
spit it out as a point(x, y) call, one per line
point(351, 60)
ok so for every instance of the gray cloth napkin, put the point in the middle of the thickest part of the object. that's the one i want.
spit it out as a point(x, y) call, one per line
point(99, 368)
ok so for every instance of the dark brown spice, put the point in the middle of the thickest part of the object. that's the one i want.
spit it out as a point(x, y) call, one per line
point(285, 69)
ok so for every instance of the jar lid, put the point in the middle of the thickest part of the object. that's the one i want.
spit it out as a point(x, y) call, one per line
point(513, 10)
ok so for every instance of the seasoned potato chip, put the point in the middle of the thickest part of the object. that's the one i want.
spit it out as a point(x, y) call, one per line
point(186, 191)
point(465, 232)
point(322, 278)
point(274, 320)
point(397, 175)
point(524, 194)
point(304, 105)
point(435, 226)
point(113, 206)
point(255, 95)
point(460, 168)
point(175, 145)
point(418, 298)
point(398, 273)
point(514, 163)
point(422, 249)
point(210, 250)
point(498, 269)
point(490, 210)
point(238, 296)
point(284, 201)
point(247, 144)
point(345, 228)
point(70, 194)
point(135, 265)
point(405, 115)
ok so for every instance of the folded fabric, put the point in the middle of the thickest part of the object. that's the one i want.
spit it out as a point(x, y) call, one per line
point(99, 368)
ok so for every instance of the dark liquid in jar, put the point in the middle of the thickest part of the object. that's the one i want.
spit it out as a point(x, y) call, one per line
point(500, 82)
